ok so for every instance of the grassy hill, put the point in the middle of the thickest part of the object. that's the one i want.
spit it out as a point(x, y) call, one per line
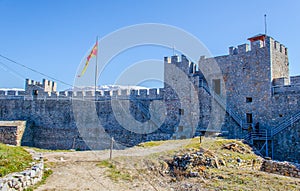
point(13, 159)
point(219, 164)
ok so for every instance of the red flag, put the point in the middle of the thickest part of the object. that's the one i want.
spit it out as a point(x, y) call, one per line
point(93, 53)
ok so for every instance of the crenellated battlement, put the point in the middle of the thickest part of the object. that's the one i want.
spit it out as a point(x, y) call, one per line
point(122, 93)
point(295, 80)
point(12, 93)
point(286, 89)
point(285, 86)
point(34, 87)
point(245, 48)
point(182, 62)
point(176, 59)
point(278, 47)
point(32, 82)
point(258, 42)
point(240, 49)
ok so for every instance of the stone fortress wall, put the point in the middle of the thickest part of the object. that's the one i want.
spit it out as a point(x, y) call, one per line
point(51, 122)
point(259, 99)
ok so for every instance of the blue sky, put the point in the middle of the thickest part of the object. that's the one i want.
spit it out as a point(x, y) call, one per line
point(53, 36)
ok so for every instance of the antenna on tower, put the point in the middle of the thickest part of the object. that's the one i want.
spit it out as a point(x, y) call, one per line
point(265, 24)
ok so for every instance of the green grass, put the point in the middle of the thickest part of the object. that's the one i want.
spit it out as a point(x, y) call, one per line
point(13, 159)
point(151, 144)
point(39, 150)
point(106, 164)
point(237, 178)
point(216, 144)
point(113, 172)
point(230, 177)
point(210, 143)
point(245, 179)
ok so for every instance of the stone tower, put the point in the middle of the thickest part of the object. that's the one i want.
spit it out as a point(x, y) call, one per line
point(181, 96)
point(35, 88)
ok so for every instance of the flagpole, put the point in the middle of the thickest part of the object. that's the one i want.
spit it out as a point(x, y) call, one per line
point(265, 29)
point(265, 24)
point(96, 67)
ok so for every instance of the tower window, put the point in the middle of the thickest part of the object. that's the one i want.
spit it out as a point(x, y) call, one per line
point(35, 92)
point(181, 111)
point(249, 118)
point(248, 99)
point(217, 86)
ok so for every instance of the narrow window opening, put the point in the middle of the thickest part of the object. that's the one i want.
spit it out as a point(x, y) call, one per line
point(181, 111)
point(249, 118)
point(217, 86)
point(248, 99)
point(35, 92)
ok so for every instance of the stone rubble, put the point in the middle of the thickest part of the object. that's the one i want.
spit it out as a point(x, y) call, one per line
point(193, 164)
point(22, 180)
point(236, 148)
point(281, 168)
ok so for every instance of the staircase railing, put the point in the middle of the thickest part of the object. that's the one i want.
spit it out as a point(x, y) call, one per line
point(248, 138)
point(285, 124)
point(263, 134)
point(222, 103)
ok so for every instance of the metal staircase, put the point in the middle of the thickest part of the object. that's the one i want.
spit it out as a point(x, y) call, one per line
point(261, 135)
point(251, 136)
point(222, 103)
point(285, 124)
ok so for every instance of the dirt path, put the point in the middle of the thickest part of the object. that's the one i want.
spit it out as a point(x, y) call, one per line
point(78, 170)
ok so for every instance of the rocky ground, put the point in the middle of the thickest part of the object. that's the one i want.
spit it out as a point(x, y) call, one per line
point(171, 165)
